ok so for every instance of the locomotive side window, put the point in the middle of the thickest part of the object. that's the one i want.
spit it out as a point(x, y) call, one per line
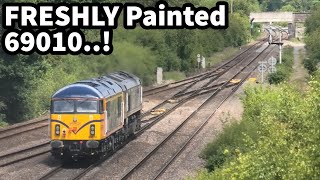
point(63, 106)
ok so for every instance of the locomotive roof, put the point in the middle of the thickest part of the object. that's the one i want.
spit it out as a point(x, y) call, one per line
point(104, 86)
point(124, 79)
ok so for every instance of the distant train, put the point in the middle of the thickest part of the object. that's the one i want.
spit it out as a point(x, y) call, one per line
point(93, 117)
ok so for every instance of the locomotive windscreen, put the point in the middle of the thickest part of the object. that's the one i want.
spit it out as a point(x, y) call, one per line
point(75, 106)
point(65, 106)
point(87, 107)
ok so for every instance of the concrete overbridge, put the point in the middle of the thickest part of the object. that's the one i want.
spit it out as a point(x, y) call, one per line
point(292, 18)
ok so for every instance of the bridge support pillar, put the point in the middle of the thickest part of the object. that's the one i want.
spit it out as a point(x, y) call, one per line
point(292, 29)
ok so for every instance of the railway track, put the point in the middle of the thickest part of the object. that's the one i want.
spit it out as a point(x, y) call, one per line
point(203, 85)
point(195, 78)
point(173, 156)
point(3, 158)
point(209, 76)
point(156, 161)
point(23, 127)
point(186, 84)
point(223, 85)
point(24, 154)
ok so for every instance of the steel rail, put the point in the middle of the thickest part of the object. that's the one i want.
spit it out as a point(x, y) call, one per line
point(24, 158)
point(156, 119)
point(181, 149)
point(140, 163)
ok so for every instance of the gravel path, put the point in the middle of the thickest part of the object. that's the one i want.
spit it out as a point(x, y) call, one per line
point(299, 74)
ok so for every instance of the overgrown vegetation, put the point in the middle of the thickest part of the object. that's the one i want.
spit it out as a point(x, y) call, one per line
point(174, 75)
point(313, 40)
point(287, 5)
point(284, 69)
point(278, 137)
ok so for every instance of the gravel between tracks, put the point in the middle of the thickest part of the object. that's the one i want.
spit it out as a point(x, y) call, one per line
point(24, 140)
point(139, 147)
point(126, 158)
point(189, 162)
point(152, 165)
point(30, 169)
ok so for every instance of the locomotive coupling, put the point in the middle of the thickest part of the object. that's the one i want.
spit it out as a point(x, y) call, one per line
point(92, 144)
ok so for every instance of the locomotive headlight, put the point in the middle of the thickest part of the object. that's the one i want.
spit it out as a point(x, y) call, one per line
point(57, 129)
point(92, 129)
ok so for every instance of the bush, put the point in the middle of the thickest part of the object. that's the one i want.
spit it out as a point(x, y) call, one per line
point(284, 70)
point(278, 77)
point(310, 64)
point(228, 144)
point(177, 76)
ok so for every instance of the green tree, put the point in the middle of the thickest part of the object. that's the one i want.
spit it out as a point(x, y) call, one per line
point(288, 8)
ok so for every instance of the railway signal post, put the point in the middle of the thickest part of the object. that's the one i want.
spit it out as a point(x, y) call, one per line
point(198, 60)
point(262, 68)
